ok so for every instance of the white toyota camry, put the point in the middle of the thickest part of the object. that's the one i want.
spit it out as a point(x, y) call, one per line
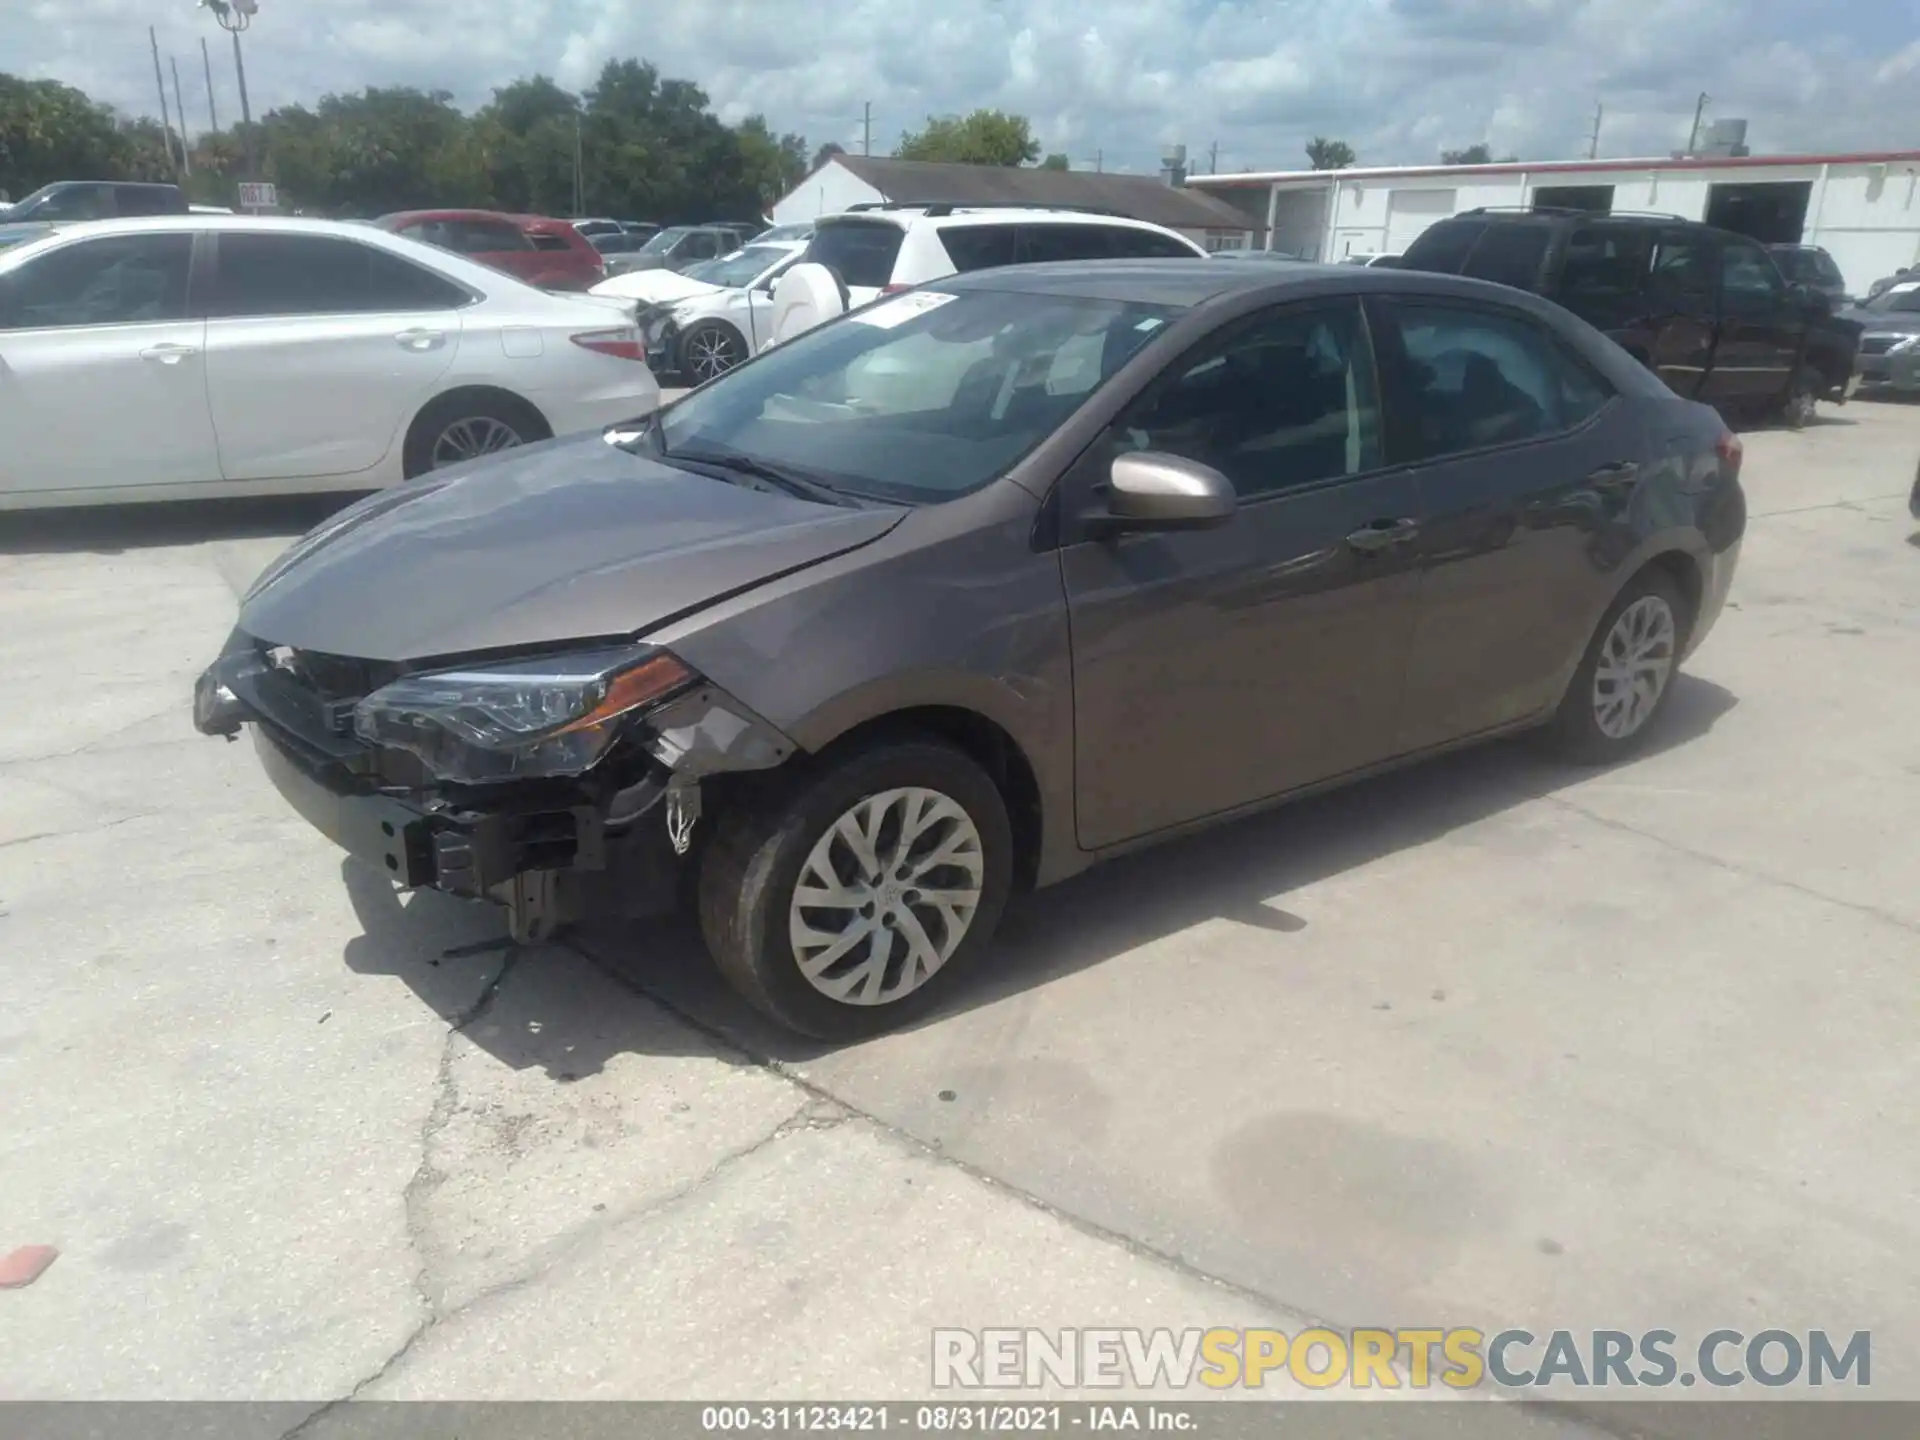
point(708, 320)
point(197, 356)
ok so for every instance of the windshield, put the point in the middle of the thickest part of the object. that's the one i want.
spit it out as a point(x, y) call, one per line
point(920, 398)
point(1904, 300)
point(739, 269)
point(664, 241)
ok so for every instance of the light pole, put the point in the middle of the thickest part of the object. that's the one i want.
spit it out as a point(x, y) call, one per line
point(235, 16)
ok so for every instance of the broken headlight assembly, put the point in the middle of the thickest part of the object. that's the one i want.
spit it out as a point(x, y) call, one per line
point(551, 715)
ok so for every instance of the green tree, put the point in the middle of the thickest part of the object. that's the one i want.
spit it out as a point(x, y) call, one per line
point(770, 165)
point(1056, 161)
point(525, 137)
point(1326, 154)
point(50, 131)
point(986, 137)
point(1474, 155)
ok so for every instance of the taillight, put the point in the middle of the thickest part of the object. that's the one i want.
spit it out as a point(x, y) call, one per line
point(622, 343)
point(1730, 451)
point(893, 289)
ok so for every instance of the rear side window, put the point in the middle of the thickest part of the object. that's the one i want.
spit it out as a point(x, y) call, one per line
point(115, 280)
point(1509, 255)
point(149, 200)
point(1605, 262)
point(487, 237)
point(1131, 244)
point(548, 242)
point(1042, 243)
point(861, 252)
point(978, 247)
point(1477, 377)
point(319, 275)
point(1443, 247)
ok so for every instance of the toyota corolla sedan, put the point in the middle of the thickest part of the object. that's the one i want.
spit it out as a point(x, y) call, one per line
point(979, 585)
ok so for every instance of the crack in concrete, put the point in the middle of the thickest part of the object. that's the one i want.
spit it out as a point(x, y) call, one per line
point(81, 830)
point(100, 740)
point(1829, 505)
point(1734, 867)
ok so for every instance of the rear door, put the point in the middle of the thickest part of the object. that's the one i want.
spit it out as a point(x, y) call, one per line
point(1522, 452)
point(501, 244)
point(1683, 286)
point(1760, 333)
point(103, 372)
point(1215, 668)
point(319, 350)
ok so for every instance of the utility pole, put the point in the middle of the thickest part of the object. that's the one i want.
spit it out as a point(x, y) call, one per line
point(1593, 141)
point(579, 176)
point(206, 68)
point(1213, 158)
point(235, 16)
point(1099, 162)
point(166, 123)
point(866, 128)
point(1693, 135)
point(180, 109)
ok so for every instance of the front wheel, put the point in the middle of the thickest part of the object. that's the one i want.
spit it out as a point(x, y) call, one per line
point(843, 904)
point(1626, 673)
point(709, 349)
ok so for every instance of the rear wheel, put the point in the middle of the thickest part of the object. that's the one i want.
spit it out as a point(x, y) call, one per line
point(1797, 409)
point(844, 904)
point(710, 348)
point(467, 425)
point(1626, 673)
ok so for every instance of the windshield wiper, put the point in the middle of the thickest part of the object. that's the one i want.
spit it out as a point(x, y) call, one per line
point(779, 477)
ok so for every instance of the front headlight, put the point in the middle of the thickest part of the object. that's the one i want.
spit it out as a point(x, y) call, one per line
point(551, 715)
point(1901, 347)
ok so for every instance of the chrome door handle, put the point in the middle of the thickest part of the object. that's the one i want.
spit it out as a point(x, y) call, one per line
point(1382, 535)
point(169, 354)
point(421, 339)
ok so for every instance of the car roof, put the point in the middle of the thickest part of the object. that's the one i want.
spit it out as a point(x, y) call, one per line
point(407, 217)
point(905, 216)
point(1184, 283)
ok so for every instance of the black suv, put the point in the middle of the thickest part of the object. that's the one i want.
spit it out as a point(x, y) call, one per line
point(1705, 309)
point(96, 200)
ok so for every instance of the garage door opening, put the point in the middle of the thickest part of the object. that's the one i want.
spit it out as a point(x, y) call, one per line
point(1772, 212)
point(1595, 198)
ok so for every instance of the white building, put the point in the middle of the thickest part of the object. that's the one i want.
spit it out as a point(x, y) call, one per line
point(848, 180)
point(1863, 209)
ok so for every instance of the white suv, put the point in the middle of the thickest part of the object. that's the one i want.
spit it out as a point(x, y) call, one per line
point(881, 249)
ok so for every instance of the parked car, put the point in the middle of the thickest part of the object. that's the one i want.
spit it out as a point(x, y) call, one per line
point(95, 200)
point(1150, 545)
point(1370, 257)
point(1887, 282)
point(675, 248)
point(1813, 267)
point(575, 261)
point(742, 234)
point(803, 230)
point(213, 355)
point(854, 258)
point(706, 321)
point(1706, 310)
point(597, 225)
point(492, 238)
point(1890, 337)
point(1279, 257)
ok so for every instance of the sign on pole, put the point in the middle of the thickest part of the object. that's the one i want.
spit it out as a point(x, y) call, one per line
point(258, 195)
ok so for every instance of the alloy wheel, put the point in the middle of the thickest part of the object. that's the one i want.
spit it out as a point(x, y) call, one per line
point(1635, 664)
point(472, 437)
point(886, 895)
point(711, 351)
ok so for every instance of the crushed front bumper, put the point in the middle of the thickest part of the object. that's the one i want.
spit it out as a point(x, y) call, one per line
point(608, 842)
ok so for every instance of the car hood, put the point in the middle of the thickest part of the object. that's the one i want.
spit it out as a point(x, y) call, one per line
point(652, 287)
point(569, 540)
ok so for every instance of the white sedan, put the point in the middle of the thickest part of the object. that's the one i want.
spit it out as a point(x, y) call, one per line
point(708, 320)
point(189, 356)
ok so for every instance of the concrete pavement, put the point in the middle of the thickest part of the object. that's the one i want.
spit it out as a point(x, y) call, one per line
point(1490, 1042)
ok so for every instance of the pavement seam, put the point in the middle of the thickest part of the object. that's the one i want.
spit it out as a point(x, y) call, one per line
point(1829, 505)
point(1733, 867)
point(82, 830)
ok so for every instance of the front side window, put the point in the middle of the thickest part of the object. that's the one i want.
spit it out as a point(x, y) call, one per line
point(1605, 262)
point(919, 398)
point(1509, 255)
point(320, 275)
point(1683, 269)
point(1443, 246)
point(1284, 401)
point(114, 280)
point(1749, 280)
point(1474, 378)
point(68, 202)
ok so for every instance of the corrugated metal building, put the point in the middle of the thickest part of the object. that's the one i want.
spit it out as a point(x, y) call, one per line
point(1862, 208)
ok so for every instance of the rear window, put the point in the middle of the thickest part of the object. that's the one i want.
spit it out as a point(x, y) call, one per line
point(548, 242)
point(978, 247)
point(1444, 246)
point(1509, 255)
point(861, 252)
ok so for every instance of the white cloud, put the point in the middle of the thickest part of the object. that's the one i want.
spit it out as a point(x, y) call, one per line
point(1398, 79)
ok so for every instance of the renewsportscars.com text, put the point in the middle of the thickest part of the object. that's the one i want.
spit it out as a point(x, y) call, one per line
point(1461, 1358)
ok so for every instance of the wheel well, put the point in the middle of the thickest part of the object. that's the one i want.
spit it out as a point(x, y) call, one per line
point(473, 394)
point(989, 746)
point(1684, 571)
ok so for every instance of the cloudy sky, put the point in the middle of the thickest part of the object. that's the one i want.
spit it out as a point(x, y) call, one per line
point(1398, 79)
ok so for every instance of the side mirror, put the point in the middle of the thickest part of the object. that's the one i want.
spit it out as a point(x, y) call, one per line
point(1147, 490)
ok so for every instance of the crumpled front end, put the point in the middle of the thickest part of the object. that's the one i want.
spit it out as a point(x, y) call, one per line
point(561, 786)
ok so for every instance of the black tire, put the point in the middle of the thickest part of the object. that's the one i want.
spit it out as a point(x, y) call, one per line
point(1575, 732)
point(1796, 410)
point(717, 334)
point(424, 451)
point(754, 859)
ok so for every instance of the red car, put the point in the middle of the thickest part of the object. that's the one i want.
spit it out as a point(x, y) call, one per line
point(525, 246)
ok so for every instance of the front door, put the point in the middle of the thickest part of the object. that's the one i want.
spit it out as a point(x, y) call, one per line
point(1524, 452)
point(1759, 330)
point(1683, 287)
point(1217, 668)
point(320, 350)
point(103, 374)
